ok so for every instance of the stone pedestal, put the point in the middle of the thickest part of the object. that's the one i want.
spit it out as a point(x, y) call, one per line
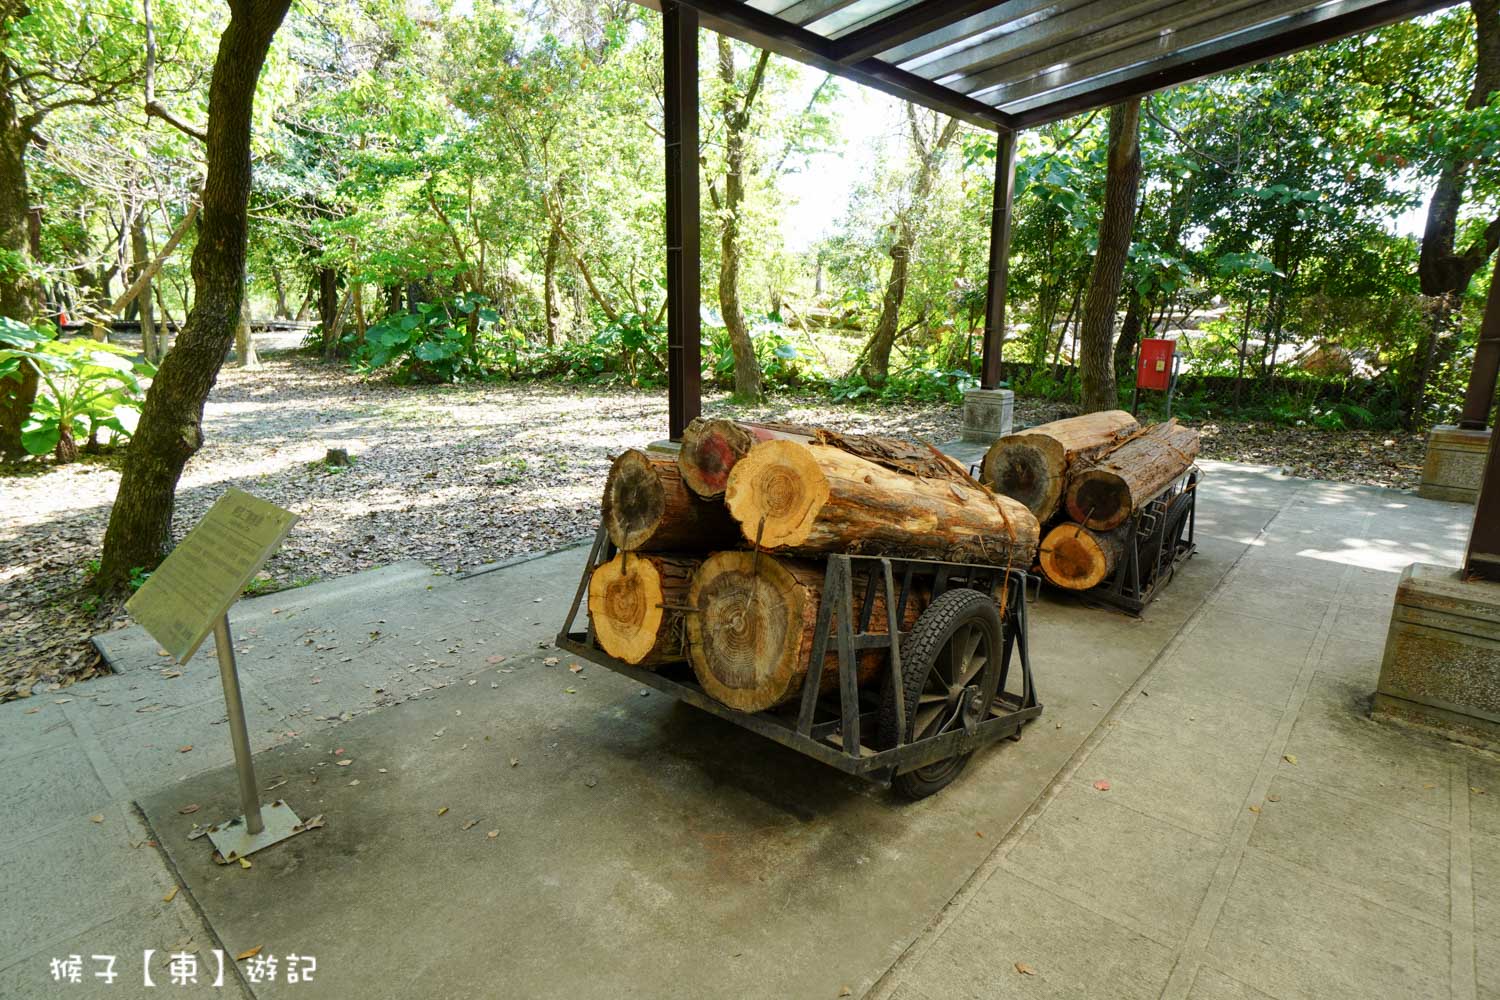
point(987, 414)
point(1442, 656)
point(1455, 463)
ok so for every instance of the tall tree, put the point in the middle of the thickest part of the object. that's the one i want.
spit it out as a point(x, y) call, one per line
point(53, 55)
point(929, 161)
point(1443, 269)
point(170, 428)
point(735, 112)
point(1096, 335)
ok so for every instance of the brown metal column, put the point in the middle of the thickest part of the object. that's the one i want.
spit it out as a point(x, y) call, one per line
point(1481, 395)
point(999, 274)
point(1483, 557)
point(684, 341)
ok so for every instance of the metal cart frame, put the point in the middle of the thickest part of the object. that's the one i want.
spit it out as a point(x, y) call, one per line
point(835, 728)
point(1160, 539)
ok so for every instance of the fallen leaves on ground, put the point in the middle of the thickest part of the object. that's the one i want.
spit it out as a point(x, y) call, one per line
point(1025, 969)
point(519, 471)
point(188, 810)
point(1290, 758)
point(248, 953)
point(1101, 785)
point(171, 895)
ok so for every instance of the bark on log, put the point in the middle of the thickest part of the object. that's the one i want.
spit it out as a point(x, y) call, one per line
point(635, 604)
point(750, 636)
point(648, 509)
point(1077, 558)
point(811, 499)
point(1106, 493)
point(1032, 466)
point(710, 449)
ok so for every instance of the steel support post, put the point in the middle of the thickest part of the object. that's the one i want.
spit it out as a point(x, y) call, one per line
point(680, 83)
point(999, 272)
point(1483, 556)
point(239, 733)
point(1480, 398)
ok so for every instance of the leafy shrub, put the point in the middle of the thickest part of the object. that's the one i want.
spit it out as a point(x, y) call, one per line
point(429, 345)
point(89, 390)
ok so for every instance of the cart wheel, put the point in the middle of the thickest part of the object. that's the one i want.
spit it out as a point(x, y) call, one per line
point(950, 666)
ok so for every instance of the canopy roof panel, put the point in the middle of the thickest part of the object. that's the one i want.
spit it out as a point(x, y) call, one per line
point(1016, 63)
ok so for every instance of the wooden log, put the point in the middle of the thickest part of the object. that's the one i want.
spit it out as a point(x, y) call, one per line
point(1106, 493)
point(810, 499)
point(635, 604)
point(1077, 558)
point(647, 509)
point(1032, 465)
point(750, 635)
point(711, 448)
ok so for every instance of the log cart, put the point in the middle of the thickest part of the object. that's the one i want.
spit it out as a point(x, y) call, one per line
point(1120, 500)
point(962, 669)
point(894, 664)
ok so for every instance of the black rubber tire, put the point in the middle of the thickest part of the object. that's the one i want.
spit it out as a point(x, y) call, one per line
point(929, 637)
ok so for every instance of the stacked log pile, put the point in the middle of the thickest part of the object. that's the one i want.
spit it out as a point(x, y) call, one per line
point(722, 549)
point(1084, 478)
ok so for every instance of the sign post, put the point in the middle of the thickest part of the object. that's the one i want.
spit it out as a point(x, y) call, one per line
point(188, 597)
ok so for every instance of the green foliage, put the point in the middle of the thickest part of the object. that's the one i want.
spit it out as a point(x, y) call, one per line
point(439, 342)
point(89, 391)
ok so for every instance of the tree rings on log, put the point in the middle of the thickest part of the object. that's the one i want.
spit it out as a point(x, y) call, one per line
point(750, 633)
point(1075, 558)
point(1125, 479)
point(647, 508)
point(1032, 466)
point(636, 603)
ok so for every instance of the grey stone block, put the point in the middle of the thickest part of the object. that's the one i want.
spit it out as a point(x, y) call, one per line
point(987, 414)
point(1442, 656)
point(1454, 464)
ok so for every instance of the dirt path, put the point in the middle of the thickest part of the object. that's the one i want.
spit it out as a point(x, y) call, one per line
point(456, 476)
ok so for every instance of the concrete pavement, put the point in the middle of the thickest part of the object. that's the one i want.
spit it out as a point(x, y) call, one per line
point(642, 847)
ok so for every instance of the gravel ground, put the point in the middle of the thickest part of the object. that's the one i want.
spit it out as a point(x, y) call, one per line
point(455, 476)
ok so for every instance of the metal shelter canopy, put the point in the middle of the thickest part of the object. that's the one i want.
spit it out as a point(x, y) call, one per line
point(1008, 64)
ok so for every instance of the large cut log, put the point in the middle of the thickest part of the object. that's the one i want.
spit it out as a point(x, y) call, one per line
point(711, 448)
point(750, 633)
point(636, 603)
point(811, 499)
point(1032, 465)
point(1121, 481)
point(647, 508)
point(1077, 558)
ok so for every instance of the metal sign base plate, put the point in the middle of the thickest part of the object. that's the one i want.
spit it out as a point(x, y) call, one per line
point(233, 841)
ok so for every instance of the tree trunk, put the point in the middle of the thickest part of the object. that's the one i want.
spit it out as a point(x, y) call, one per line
point(1443, 271)
point(1076, 558)
point(750, 633)
point(1096, 336)
point(1033, 465)
point(647, 508)
point(281, 310)
point(17, 296)
point(1130, 339)
point(813, 499)
point(328, 310)
point(170, 429)
point(711, 448)
point(140, 254)
point(635, 605)
point(549, 285)
point(1104, 495)
point(747, 380)
point(244, 338)
point(877, 366)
